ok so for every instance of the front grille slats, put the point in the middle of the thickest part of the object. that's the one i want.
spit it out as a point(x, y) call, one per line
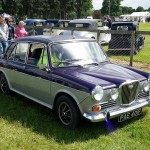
point(142, 94)
point(108, 104)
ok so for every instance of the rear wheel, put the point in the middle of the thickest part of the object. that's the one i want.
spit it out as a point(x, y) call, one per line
point(67, 112)
point(4, 88)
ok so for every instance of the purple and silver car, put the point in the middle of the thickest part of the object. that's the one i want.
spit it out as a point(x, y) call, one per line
point(73, 76)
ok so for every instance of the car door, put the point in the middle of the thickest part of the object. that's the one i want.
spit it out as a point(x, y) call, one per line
point(16, 66)
point(27, 78)
point(38, 79)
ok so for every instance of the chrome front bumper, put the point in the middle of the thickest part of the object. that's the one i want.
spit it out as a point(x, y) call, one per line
point(114, 112)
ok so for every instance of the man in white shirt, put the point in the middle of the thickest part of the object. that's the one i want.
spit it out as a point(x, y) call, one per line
point(4, 31)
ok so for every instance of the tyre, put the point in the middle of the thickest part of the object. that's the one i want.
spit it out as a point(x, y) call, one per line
point(67, 112)
point(4, 88)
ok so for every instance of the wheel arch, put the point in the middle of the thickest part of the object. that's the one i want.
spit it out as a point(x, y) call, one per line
point(66, 110)
point(62, 93)
point(1, 72)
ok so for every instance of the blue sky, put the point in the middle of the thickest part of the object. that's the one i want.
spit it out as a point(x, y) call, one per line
point(97, 4)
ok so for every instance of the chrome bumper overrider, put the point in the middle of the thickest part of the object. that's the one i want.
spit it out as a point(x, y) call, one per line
point(114, 112)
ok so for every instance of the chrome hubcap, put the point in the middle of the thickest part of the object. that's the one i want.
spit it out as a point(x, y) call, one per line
point(65, 113)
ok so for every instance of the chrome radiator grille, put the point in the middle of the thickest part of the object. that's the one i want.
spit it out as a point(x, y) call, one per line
point(128, 92)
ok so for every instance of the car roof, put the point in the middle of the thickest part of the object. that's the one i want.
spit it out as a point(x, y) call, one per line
point(56, 20)
point(52, 39)
point(34, 20)
point(89, 21)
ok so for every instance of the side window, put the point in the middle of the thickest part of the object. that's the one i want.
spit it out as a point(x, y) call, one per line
point(10, 48)
point(124, 27)
point(39, 24)
point(19, 52)
point(119, 28)
point(79, 25)
point(37, 55)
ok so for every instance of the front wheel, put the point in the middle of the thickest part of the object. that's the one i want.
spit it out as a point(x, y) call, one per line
point(67, 112)
point(4, 88)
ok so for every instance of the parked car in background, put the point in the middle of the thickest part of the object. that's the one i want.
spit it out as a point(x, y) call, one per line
point(122, 42)
point(89, 24)
point(74, 77)
point(55, 23)
point(31, 23)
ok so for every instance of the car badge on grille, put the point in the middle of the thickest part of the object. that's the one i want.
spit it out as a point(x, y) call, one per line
point(130, 86)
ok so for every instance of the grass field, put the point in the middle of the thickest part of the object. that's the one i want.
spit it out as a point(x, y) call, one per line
point(25, 125)
point(144, 26)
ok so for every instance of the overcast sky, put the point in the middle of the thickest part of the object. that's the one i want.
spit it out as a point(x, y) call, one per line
point(97, 4)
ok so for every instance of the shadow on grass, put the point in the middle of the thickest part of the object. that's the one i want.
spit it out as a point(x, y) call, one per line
point(41, 120)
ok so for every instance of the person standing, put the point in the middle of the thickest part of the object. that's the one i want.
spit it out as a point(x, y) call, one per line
point(109, 22)
point(11, 30)
point(4, 31)
point(20, 30)
point(105, 22)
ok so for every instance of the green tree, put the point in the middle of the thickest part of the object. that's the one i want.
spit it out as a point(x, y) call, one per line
point(148, 9)
point(127, 10)
point(1, 9)
point(140, 9)
point(111, 7)
point(72, 15)
point(60, 9)
point(83, 8)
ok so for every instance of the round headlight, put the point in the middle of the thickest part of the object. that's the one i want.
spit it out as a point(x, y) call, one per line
point(114, 93)
point(147, 86)
point(97, 93)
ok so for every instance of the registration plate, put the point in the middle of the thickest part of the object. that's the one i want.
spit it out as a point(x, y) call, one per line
point(129, 115)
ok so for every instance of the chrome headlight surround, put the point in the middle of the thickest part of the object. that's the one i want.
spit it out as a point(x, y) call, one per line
point(97, 93)
point(146, 86)
point(114, 93)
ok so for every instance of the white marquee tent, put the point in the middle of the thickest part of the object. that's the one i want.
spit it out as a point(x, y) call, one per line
point(136, 16)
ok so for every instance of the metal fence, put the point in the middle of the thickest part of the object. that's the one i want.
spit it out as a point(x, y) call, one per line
point(125, 47)
point(130, 48)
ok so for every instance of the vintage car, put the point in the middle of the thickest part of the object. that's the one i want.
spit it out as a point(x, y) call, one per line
point(121, 42)
point(73, 76)
point(30, 24)
point(89, 24)
point(60, 24)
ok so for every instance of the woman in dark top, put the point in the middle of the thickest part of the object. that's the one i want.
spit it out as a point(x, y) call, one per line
point(11, 30)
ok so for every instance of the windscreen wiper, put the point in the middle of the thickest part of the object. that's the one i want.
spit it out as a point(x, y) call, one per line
point(93, 63)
